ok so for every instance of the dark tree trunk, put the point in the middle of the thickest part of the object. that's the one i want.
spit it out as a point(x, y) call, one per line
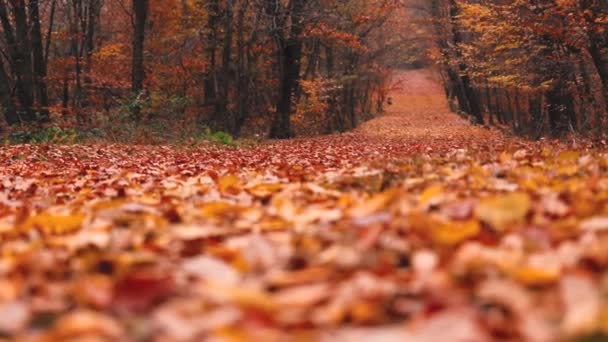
point(223, 117)
point(93, 13)
point(242, 88)
point(536, 112)
point(334, 120)
point(49, 32)
point(290, 56)
point(496, 105)
point(24, 63)
point(39, 62)
point(19, 54)
point(467, 88)
point(457, 90)
point(598, 40)
point(560, 109)
point(140, 11)
point(8, 107)
point(213, 8)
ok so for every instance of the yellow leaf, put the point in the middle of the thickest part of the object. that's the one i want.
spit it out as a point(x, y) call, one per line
point(218, 209)
point(505, 157)
point(373, 205)
point(431, 195)
point(533, 276)
point(54, 224)
point(364, 312)
point(568, 157)
point(567, 170)
point(451, 233)
point(265, 190)
point(227, 183)
point(230, 334)
point(503, 211)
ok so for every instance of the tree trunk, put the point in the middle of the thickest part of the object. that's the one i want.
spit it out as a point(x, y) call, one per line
point(94, 11)
point(467, 88)
point(140, 10)
point(223, 117)
point(242, 89)
point(210, 95)
point(39, 63)
point(290, 55)
point(19, 54)
point(8, 107)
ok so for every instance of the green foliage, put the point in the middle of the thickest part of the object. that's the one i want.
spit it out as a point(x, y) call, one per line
point(44, 135)
point(158, 126)
point(220, 137)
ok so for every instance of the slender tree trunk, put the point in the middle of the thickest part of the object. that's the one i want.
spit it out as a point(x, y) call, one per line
point(49, 32)
point(213, 9)
point(334, 122)
point(536, 112)
point(242, 88)
point(24, 64)
point(223, 117)
point(140, 11)
point(39, 62)
point(93, 13)
point(8, 107)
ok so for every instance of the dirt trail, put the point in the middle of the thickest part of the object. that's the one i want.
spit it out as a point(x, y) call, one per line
point(418, 122)
point(419, 111)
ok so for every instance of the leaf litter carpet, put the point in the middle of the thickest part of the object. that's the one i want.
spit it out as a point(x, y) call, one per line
point(415, 227)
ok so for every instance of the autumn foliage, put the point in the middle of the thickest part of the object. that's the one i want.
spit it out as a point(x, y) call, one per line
point(410, 228)
point(539, 67)
point(429, 222)
point(237, 66)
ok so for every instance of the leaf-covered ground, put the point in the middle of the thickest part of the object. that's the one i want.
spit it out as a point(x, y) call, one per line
point(415, 227)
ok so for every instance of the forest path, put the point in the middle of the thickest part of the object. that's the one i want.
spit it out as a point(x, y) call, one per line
point(420, 112)
point(416, 226)
point(418, 122)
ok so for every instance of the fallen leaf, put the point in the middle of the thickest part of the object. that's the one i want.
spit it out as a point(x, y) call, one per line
point(581, 298)
point(504, 211)
point(599, 223)
point(450, 233)
point(53, 224)
point(211, 269)
point(228, 184)
point(15, 317)
point(141, 289)
point(534, 276)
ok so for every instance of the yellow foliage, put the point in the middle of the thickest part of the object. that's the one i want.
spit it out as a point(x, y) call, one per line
point(430, 195)
point(53, 224)
point(501, 212)
point(450, 233)
point(533, 276)
point(227, 183)
point(568, 157)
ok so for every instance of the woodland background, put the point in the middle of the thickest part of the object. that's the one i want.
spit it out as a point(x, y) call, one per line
point(150, 69)
point(176, 67)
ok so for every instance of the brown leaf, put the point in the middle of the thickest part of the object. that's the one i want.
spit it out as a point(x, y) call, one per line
point(141, 289)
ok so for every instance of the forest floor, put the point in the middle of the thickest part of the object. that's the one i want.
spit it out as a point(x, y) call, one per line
point(417, 226)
